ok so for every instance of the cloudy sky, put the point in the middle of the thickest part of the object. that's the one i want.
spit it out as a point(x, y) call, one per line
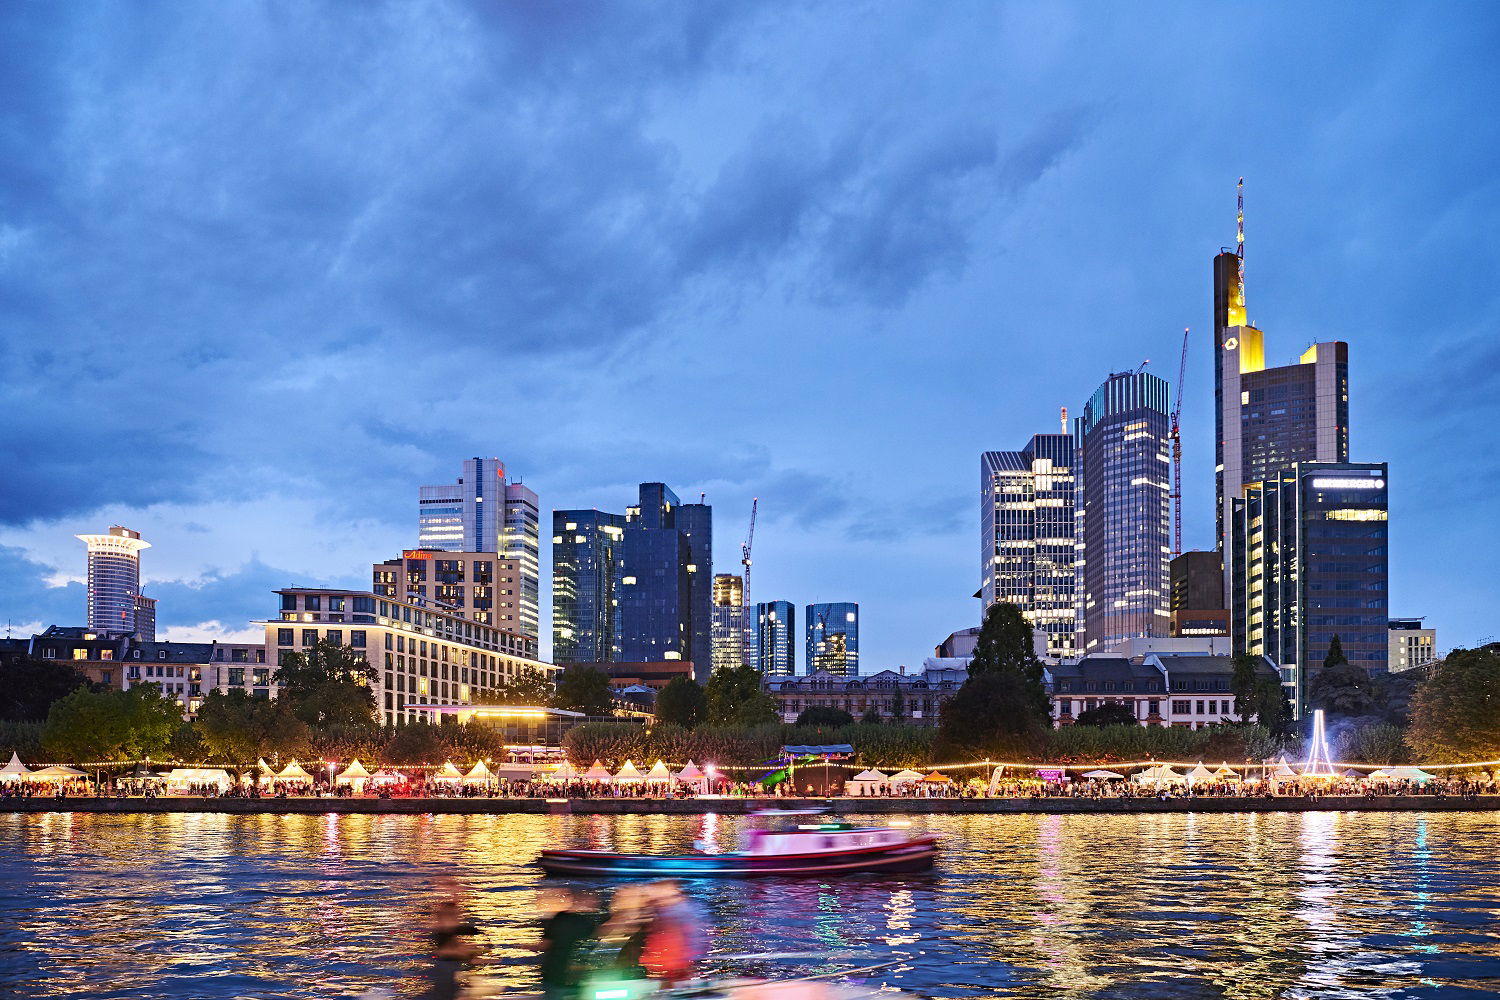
point(265, 268)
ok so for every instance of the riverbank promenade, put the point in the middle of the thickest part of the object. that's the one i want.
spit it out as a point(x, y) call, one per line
point(735, 805)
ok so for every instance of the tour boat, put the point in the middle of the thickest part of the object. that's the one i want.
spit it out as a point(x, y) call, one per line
point(827, 848)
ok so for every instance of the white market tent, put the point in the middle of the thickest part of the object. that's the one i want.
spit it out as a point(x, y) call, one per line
point(629, 772)
point(447, 773)
point(1283, 770)
point(692, 774)
point(185, 777)
point(354, 772)
point(659, 773)
point(565, 772)
point(1103, 775)
point(597, 772)
point(1410, 774)
point(903, 776)
point(264, 773)
point(384, 777)
point(866, 783)
point(1200, 775)
point(1159, 775)
point(15, 770)
point(293, 772)
point(1226, 773)
point(479, 774)
point(514, 772)
point(56, 772)
point(1379, 775)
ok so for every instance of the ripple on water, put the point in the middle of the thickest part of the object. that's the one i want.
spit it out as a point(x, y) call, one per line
point(1314, 905)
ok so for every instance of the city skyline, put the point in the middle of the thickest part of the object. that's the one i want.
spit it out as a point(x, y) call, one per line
point(1002, 220)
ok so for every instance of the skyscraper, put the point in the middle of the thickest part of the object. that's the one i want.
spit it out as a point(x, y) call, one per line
point(1313, 544)
point(1198, 595)
point(1123, 519)
point(478, 586)
point(482, 512)
point(115, 580)
point(833, 638)
point(1026, 547)
point(776, 638)
point(666, 581)
point(729, 621)
point(586, 552)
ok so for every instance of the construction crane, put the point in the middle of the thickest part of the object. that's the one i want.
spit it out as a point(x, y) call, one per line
point(1142, 367)
point(748, 614)
point(1175, 436)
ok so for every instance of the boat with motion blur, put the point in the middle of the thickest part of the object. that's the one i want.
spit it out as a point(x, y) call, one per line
point(830, 847)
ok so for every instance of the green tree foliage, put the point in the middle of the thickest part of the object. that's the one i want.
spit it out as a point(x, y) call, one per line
point(1242, 683)
point(742, 750)
point(89, 726)
point(735, 697)
point(328, 685)
point(530, 686)
point(1335, 654)
point(1456, 713)
point(584, 688)
point(1111, 713)
point(1343, 690)
point(1002, 709)
point(871, 716)
point(1100, 744)
point(822, 716)
point(1377, 743)
point(29, 685)
point(1271, 708)
point(898, 704)
point(237, 729)
point(24, 738)
point(682, 702)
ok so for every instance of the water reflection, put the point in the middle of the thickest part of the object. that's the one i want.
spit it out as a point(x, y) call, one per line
point(1252, 906)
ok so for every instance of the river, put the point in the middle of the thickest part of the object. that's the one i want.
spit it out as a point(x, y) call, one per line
point(1241, 905)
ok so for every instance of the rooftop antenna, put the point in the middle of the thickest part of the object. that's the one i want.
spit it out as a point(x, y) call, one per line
point(1065, 420)
point(1239, 239)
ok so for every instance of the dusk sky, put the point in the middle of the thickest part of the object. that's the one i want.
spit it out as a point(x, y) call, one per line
point(265, 269)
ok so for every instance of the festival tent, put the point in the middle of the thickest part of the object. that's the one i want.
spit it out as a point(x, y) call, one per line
point(659, 773)
point(1103, 775)
point(293, 772)
point(1160, 774)
point(355, 774)
point(628, 773)
point(56, 772)
point(447, 773)
point(15, 770)
point(1226, 773)
point(384, 777)
point(865, 783)
point(901, 777)
point(1283, 770)
point(479, 774)
point(264, 773)
point(514, 772)
point(692, 774)
point(1378, 775)
point(565, 772)
point(597, 772)
point(185, 777)
point(1410, 774)
point(1352, 773)
point(1199, 775)
point(938, 778)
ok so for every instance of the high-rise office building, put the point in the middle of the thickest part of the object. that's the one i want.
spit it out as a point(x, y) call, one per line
point(114, 580)
point(776, 638)
point(1123, 517)
point(1197, 581)
point(1267, 419)
point(833, 638)
point(482, 512)
point(1412, 646)
point(666, 583)
point(729, 621)
point(1027, 545)
point(478, 586)
point(1313, 544)
point(586, 568)
point(145, 618)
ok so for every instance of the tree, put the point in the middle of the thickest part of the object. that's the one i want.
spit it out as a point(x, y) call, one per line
point(1111, 713)
point(529, 687)
point(1003, 706)
point(1270, 706)
point(88, 726)
point(584, 688)
point(1342, 689)
point(1335, 654)
point(871, 716)
point(1242, 683)
point(29, 685)
point(1456, 714)
point(328, 685)
point(735, 697)
point(825, 716)
point(236, 728)
point(898, 704)
point(682, 702)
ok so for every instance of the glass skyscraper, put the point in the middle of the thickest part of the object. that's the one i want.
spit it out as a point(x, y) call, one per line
point(482, 512)
point(1123, 520)
point(1313, 542)
point(666, 583)
point(729, 621)
point(776, 638)
point(833, 638)
point(1026, 547)
point(114, 582)
point(586, 571)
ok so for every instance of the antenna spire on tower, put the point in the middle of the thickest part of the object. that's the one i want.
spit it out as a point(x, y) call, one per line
point(1239, 244)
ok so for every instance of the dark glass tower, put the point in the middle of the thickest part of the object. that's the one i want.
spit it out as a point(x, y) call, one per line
point(833, 638)
point(1314, 544)
point(666, 592)
point(1123, 515)
point(585, 586)
point(776, 638)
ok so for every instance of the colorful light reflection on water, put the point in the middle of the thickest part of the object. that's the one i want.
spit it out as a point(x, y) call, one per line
point(1298, 905)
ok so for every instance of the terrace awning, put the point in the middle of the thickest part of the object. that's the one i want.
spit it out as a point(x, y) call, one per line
point(833, 749)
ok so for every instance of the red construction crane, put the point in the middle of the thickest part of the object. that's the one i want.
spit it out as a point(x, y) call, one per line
point(747, 618)
point(1175, 436)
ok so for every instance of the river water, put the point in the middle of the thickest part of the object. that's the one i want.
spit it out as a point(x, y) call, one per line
point(1253, 905)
